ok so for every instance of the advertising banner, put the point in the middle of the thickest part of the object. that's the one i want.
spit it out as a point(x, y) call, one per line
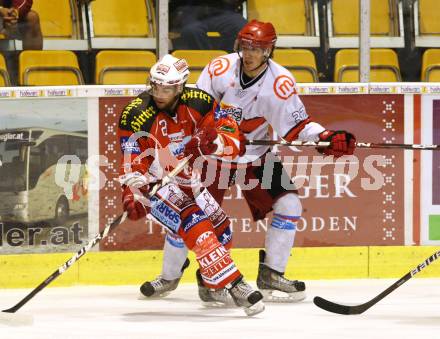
point(43, 175)
point(356, 200)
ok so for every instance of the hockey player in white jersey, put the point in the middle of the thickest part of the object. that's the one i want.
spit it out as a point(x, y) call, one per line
point(260, 93)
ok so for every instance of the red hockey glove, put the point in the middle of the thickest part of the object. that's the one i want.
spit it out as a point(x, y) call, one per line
point(133, 202)
point(202, 143)
point(341, 143)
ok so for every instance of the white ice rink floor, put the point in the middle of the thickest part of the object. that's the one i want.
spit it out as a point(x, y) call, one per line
point(411, 311)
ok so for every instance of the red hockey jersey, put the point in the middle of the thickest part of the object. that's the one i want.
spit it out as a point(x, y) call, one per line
point(153, 140)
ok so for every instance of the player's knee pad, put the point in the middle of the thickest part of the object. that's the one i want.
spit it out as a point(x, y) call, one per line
point(289, 204)
point(287, 211)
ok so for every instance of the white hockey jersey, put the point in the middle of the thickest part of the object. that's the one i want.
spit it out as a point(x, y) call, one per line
point(272, 100)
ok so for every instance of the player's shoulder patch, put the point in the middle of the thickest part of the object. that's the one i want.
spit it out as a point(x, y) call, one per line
point(220, 65)
point(284, 84)
point(197, 99)
point(139, 114)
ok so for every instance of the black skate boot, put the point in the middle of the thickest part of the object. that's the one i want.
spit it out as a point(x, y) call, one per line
point(213, 297)
point(275, 287)
point(159, 287)
point(246, 297)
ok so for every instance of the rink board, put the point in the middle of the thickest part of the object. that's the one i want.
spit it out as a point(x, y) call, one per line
point(346, 229)
point(376, 216)
point(135, 267)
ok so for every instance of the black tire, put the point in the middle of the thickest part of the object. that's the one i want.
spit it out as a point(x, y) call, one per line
point(61, 211)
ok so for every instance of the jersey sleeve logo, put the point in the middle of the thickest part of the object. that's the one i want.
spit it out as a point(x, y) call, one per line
point(218, 66)
point(235, 112)
point(284, 87)
point(130, 146)
point(219, 113)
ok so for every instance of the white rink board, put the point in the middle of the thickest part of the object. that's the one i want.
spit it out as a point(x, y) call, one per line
point(303, 89)
point(411, 311)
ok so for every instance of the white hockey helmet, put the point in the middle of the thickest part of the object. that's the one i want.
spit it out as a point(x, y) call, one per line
point(169, 71)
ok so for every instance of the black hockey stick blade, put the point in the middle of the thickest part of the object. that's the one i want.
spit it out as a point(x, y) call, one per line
point(331, 306)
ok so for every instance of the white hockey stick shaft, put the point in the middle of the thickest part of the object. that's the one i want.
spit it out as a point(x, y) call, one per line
point(298, 143)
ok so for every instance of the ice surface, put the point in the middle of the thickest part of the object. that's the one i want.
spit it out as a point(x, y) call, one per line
point(411, 311)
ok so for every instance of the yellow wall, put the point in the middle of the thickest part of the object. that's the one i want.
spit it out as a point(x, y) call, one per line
point(117, 268)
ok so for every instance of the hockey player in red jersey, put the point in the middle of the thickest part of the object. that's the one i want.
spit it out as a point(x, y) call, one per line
point(259, 93)
point(160, 127)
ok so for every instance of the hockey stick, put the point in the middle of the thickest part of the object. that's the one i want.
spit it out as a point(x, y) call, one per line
point(326, 144)
point(25, 319)
point(358, 309)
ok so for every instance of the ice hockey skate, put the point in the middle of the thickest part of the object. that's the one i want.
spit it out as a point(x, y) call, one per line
point(213, 297)
point(160, 287)
point(275, 287)
point(246, 297)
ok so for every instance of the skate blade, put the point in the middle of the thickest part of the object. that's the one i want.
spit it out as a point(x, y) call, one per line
point(254, 309)
point(218, 304)
point(227, 302)
point(14, 319)
point(154, 297)
point(276, 296)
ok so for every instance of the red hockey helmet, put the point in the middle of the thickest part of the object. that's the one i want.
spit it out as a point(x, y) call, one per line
point(257, 34)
